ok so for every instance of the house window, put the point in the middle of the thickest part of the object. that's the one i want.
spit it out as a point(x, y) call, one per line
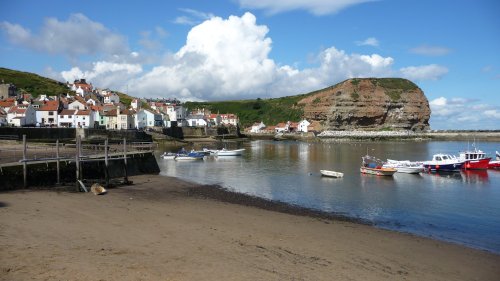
point(124, 118)
point(83, 117)
point(51, 113)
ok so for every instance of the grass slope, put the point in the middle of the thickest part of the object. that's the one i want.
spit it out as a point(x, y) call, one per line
point(270, 111)
point(32, 83)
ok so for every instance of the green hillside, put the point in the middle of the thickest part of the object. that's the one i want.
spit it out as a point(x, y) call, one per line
point(37, 85)
point(270, 111)
point(32, 83)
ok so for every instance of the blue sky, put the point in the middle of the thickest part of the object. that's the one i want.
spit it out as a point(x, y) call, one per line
point(234, 49)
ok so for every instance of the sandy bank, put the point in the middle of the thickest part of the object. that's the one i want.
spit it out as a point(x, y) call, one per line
point(162, 229)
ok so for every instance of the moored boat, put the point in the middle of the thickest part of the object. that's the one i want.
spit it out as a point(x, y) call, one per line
point(474, 160)
point(226, 152)
point(373, 166)
point(189, 156)
point(496, 163)
point(404, 166)
point(168, 155)
point(443, 163)
point(334, 174)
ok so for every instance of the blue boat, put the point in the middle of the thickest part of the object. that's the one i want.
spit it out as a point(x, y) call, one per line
point(443, 163)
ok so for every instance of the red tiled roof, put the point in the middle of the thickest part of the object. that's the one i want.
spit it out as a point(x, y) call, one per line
point(67, 112)
point(17, 109)
point(6, 103)
point(83, 112)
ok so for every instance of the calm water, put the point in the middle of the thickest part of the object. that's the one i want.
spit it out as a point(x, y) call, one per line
point(462, 207)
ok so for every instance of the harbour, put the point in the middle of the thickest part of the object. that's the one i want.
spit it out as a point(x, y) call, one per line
point(459, 207)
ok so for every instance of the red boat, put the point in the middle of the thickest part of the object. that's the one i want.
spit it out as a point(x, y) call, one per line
point(474, 160)
point(495, 164)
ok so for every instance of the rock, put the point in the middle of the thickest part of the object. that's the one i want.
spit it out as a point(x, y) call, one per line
point(97, 189)
point(369, 104)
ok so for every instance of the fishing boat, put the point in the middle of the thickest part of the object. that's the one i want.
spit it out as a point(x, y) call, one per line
point(168, 155)
point(496, 163)
point(443, 163)
point(333, 174)
point(373, 166)
point(404, 166)
point(189, 156)
point(474, 160)
point(227, 152)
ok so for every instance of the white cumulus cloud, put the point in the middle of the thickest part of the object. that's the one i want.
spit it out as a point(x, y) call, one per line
point(105, 74)
point(76, 36)
point(424, 72)
point(460, 113)
point(316, 7)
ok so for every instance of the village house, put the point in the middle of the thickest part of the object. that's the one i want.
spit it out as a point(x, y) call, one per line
point(148, 118)
point(66, 118)
point(303, 126)
point(281, 127)
point(81, 87)
point(110, 97)
point(257, 127)
point(110, 119)
point(21, 115)
point(214, 119)
point(125, 119)
point(229, 119)
point(197, 120)
point(47, 114)
point(84, 119)
point(77, 104)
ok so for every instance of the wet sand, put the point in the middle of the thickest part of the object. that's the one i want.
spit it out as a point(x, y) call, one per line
point(163, 228)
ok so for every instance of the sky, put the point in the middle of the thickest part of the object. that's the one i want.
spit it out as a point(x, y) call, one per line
point(240, 49)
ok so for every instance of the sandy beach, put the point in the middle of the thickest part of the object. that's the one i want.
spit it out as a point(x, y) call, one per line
point(163, 228)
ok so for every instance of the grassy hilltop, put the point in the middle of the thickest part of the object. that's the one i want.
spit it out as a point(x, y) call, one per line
point(38, 85)
point(270, 111)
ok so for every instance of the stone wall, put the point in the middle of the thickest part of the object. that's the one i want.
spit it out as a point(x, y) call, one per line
point(44, 175)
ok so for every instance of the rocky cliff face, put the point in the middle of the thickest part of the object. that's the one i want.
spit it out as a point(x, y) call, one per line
point(369, 103)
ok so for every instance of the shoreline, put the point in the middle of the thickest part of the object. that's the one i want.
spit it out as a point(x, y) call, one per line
point(166, 228)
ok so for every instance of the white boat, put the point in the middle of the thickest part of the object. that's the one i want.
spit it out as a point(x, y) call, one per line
point(404, 166)
point(333, 174)
point(168, 155)
point(226, 152)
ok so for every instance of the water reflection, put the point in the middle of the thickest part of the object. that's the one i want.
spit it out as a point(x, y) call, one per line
point(475, 177)
point(288, 171)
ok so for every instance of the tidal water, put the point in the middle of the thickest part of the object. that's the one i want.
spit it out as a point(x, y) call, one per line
point(463, 207)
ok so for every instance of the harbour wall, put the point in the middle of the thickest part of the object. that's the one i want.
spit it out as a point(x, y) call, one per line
point(69, 134)
point(43, 174)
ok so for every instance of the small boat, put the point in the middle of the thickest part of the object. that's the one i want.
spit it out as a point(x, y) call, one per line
point(443, 163)
point(474, 160)
point(404, 166)
point(225, 152)
point(189, 156)
point(373, 166)
point(168, 155)
point(496, 163)
point(332, 174)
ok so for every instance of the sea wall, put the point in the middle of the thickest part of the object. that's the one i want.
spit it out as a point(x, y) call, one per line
point(68, 134)
point(44, 174)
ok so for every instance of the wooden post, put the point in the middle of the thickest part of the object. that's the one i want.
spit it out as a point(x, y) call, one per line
point(77, 162)
point(25, 164)
point(106, 172)
point(58, 164)
point(125, 158)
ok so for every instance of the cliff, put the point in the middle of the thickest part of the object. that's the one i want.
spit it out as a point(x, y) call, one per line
point(369, 103)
